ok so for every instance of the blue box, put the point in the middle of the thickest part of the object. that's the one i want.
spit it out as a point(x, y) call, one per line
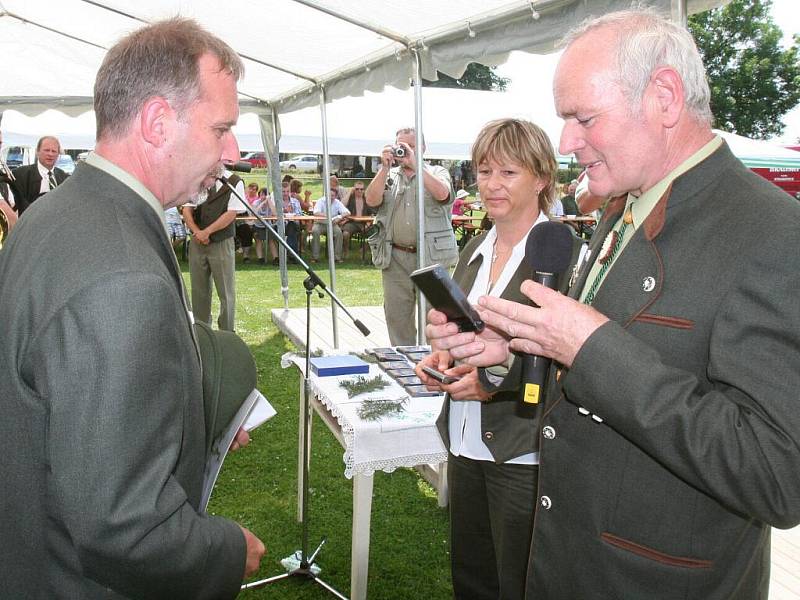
point(327, 366)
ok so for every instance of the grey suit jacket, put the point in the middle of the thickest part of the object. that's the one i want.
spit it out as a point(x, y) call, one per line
point(673, 443)
point(101, 416)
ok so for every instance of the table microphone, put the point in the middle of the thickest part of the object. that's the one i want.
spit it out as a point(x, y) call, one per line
point(548, 252)
point(242, 166)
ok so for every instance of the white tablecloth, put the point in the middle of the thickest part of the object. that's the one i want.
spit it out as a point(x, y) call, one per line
point(405, 439)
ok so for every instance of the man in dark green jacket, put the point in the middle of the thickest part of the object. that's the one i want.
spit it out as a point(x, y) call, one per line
point(670, 435)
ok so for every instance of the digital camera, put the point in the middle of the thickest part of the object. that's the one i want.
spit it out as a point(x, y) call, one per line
point(398, 151)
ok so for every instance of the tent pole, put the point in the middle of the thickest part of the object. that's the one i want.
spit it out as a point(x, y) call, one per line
point(271, 147)
point(326, 186)
point(421, 259)
point(679, 12)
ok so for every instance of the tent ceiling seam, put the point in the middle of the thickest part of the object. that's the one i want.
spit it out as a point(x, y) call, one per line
point(51, 30)
point(102, 6)
point(394, 36)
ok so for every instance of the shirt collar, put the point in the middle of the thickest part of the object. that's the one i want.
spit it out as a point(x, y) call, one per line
point(43, 171)
point(130, 181)
point(646, 202)
point(486, 247)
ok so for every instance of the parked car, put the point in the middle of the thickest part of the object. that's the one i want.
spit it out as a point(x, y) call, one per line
point(65, 163)
point(307, 162)
point(257, 159)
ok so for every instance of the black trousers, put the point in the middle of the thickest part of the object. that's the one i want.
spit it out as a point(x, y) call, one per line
point(491, 517)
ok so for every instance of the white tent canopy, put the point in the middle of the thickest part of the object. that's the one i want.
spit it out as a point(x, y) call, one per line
point(297, 53)
point(291, 48)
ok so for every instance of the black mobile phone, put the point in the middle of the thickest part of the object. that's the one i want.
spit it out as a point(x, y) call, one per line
point(413, 349)
point(444, 295)
point(439, 376)
point(420, 391)
point(405, 372)
point(389, 356)
point(394, 364)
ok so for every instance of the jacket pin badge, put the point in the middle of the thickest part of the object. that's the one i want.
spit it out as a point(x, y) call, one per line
point(648, 284)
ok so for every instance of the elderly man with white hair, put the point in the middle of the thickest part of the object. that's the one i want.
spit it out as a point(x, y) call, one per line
point(669, 435)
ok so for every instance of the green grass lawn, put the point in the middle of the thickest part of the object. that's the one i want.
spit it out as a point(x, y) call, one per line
point(257, 486)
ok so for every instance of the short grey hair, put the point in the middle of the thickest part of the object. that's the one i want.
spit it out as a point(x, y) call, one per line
point(409, 131)
point(645, 42)
point(157, 60)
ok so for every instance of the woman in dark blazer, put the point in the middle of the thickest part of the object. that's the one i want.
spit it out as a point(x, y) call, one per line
point(492, 465)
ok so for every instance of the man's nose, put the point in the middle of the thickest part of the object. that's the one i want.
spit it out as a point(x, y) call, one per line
point(571, 138)
point(230, 148)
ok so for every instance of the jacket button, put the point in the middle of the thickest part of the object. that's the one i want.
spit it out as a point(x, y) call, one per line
point(545, 502)
point(488, 435)
point(548, 432)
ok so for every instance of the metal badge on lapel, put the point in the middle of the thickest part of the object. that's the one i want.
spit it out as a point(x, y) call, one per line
point(648, 284)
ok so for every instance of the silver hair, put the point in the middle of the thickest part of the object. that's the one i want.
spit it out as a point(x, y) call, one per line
point(645, 42)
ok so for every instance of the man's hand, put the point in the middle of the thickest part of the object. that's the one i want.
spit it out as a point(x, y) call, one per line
point(557, 330)
point(387, 156)
point(255, 550)
point(202, 236)
point(490, 347)
point(240, 440)
point(409, 161)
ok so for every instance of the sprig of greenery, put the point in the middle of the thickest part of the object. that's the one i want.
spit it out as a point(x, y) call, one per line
point(362, 385)
point(366, 357)
point(373, 409)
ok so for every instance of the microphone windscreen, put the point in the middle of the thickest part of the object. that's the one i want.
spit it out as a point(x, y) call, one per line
point(242, 166)
point(549, 247)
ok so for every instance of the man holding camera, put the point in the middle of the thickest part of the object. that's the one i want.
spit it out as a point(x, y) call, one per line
point(394, 245)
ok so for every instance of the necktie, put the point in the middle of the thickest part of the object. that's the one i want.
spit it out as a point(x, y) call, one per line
point(51, 180)
point(627, 219)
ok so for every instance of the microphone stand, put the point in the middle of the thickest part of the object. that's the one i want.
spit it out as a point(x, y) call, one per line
point(310, 283)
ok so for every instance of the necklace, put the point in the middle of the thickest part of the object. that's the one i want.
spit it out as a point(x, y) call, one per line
point(495, 253)
point(492, 276)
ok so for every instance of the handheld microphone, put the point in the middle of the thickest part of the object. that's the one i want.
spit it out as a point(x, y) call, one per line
point(548, 252)
point(242, 166)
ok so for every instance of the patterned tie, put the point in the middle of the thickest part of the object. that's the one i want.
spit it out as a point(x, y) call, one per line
point(51, 180)
point(627, 219)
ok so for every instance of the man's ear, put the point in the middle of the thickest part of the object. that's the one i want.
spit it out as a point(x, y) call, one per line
point(667, 86)
point(155, 121)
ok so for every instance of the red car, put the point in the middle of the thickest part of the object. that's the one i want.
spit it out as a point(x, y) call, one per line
point(257, 159)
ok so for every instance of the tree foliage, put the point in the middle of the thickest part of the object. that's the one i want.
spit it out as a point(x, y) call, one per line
point(476, 77)
point(754, 82)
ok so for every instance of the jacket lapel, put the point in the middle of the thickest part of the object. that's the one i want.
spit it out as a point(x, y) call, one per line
point(637, 277)
point(610, 216)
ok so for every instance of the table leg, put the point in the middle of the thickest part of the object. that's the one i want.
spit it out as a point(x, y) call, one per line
point(443, 491)
point(359, 556)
